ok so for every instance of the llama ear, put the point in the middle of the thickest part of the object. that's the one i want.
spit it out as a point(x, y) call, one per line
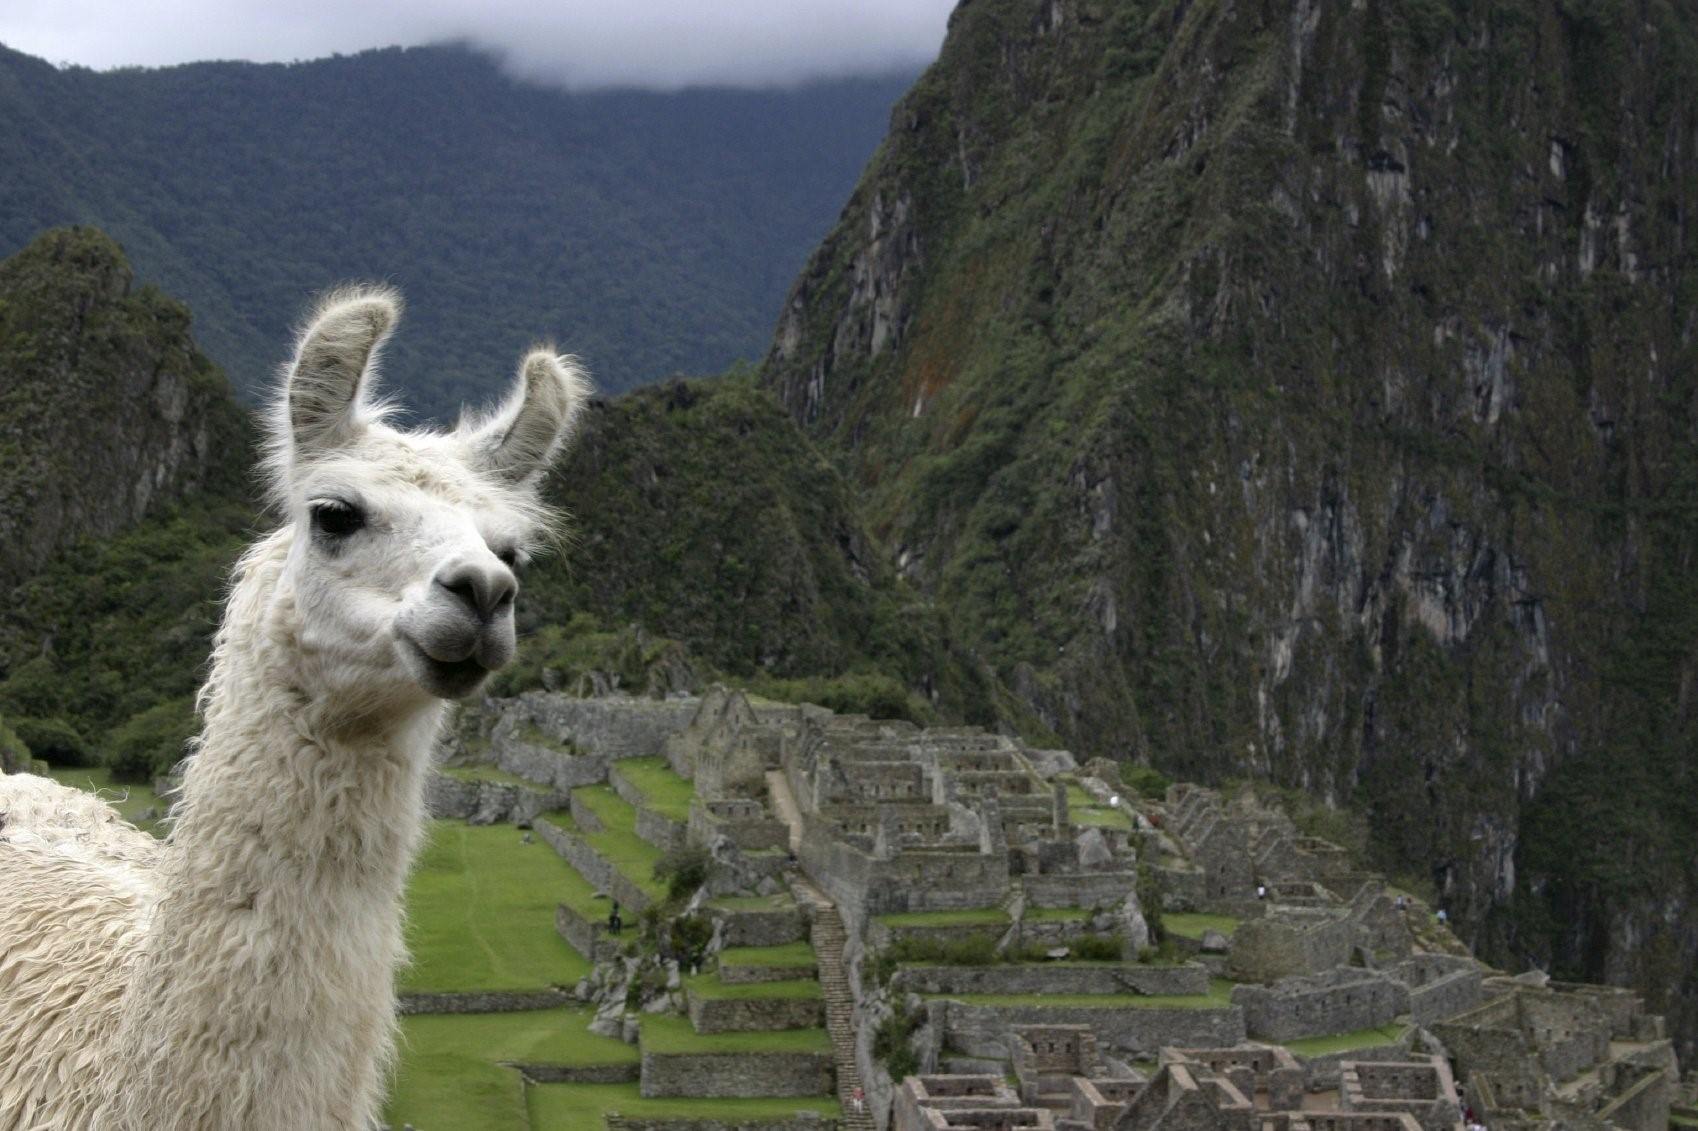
point(520, 438)
point(327, 382)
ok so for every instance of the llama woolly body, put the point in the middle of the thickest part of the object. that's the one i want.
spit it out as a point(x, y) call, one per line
point(240, 974)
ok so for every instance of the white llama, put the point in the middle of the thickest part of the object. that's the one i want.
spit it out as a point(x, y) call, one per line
point(239, 975)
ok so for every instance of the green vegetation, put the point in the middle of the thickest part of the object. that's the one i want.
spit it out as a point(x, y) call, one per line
point(483, 772)
point(790, 954)
point(669, 1033)
point(618, 842)
point(891, 1041)
point(1344, 1042)
point(778, 902)
point(130, 799)
point(663, 791)
point(449, 1073)
point(480, 912)
point(971, 917)
point(581, 1107)
point(1220, 994)
point(709, 986)
point(682, 215)
point(1192, 924)
point(1084, 810)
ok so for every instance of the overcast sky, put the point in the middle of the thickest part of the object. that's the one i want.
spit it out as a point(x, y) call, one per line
point(578, 43)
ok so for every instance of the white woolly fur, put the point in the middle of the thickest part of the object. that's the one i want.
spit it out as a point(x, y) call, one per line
point(240, 973)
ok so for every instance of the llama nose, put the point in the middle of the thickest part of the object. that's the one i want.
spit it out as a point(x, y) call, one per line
point(485, 590)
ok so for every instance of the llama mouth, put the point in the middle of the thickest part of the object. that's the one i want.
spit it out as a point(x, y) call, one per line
point(446, 679)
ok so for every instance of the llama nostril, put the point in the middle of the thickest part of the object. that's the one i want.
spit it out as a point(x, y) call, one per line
point(484, 591)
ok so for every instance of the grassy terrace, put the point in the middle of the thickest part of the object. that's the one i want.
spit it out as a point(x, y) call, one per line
point(1345, 1042)
point(582, 1107)
point(482, 771)
point(1191, 924)
point(1220, 994)
point(480, 912)
point(790, 954)
point(709, 986)
point(1084, 810)
point(973, 917)
point(130, 800)
point(450, 1073)
point(670, 1033)
point(780, 902)
point(618, 842)
point(664, 791)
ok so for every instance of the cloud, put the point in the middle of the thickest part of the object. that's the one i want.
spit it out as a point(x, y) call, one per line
point(576, 43)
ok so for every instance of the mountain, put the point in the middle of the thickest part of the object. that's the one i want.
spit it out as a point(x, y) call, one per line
point(108, 411)
point(700, 512)
point(1305, 392)
point(649, 233)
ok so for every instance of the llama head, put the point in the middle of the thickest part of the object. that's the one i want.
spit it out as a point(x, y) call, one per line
point(401, 567)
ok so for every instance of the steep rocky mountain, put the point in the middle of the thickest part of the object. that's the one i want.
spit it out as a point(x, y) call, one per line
point(650, 233)
point(108, 411)
point(1305, 391)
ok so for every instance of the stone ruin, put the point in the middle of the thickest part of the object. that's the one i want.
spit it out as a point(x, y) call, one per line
point(894, 822)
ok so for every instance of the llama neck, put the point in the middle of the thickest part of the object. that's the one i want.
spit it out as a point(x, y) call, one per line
point(268, 982)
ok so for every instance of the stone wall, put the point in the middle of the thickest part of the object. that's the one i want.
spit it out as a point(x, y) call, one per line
point(744, 822)
point(800, 1121)
point(982, 1030)
point(737, 1074)
point(589, 937)
point(482, 1002)
point(662, 832)
point(581, 1073)
point(1053, 978)
point(1275, 947)
point(592, 867)
point(613, 726)
point(758, 928)
point(1341, 1002)
point(1445, 997)
point(754, 1015)
point(487, 802)
point(1079, 889)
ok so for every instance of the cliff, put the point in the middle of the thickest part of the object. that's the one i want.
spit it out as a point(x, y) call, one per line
point(108, 412)
point(1305, 392)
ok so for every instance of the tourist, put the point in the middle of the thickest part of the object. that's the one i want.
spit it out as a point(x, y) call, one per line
point(858, 1100)
point(1443, 917)
point(1261, 891)
point(614, 922)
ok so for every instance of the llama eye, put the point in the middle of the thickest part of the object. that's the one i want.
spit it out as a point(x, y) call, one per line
point(510, 558)
point(336, 519)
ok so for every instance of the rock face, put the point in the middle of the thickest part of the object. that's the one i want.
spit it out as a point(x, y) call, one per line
point(1304, 391)
point(107, 410)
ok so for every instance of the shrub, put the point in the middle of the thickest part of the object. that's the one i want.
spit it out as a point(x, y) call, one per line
point(1096, 948)
point(151, 742)
point(1150, 900)
point(55, 740)
point(1148, 782)
point(973, 950)
point(891, 1046)
point(14, 752)
point(683, 870)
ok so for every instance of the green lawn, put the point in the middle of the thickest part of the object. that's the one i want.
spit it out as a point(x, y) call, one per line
point(581, 1107)
point(480, 912)
point(670, 1033)
point(780, 902)
point(1191, 924)
point(790, 954)
point(664, 791)
point(449, 1075)
point(1084, 810)
point(1055, 914)
point(973, 917)
point(129, 799)
point(709, 986)
point(1345, 1042)
point(618, 842)
point(1220, 994)
point(483, 771)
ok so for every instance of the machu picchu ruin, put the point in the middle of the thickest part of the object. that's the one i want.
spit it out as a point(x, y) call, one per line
point(798, 919)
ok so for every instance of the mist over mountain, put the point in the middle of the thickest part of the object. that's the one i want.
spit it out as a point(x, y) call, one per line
point(649, 233)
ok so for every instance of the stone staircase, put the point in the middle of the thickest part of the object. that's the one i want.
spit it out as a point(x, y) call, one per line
point(828, 936)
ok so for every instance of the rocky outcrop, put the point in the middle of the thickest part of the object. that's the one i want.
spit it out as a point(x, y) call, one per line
point(108, 412)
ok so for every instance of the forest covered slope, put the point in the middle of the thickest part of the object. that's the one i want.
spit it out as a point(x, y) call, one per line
point(650, 233)
point(1305, 391)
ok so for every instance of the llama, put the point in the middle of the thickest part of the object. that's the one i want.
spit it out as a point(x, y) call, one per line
point(239, 974)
